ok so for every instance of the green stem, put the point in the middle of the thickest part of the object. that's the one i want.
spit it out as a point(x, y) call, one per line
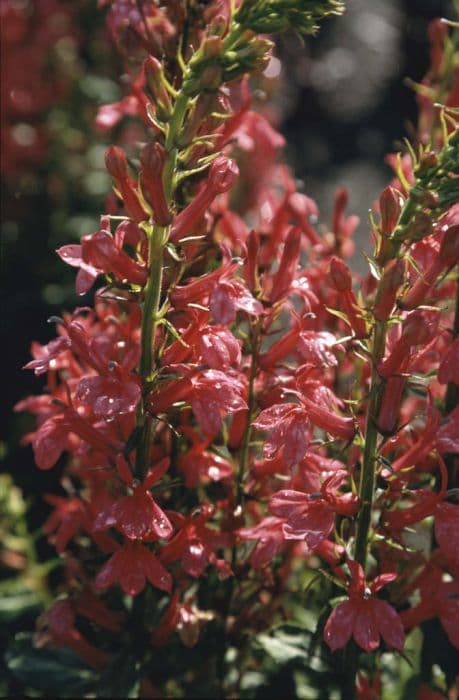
point(368, 472)
point(148, 331)
point(150, 311)
point(452, 390)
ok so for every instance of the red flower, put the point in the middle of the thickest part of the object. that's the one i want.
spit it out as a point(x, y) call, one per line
point(199, 464)
point(448, 370)
point(364, 617)
point(447, 531)
point(69, 516)
point(418, 328)
point(45, 355)
point(230, 296)
point(289, 430)
point(439, 598)
point(137, 515)
point(311, 517)
point(130, 566)
point(213, 396)
point(223, 173)
point(195, 545)
point(270, 535)
point(109, 395)
point(219, 348)
point(58, 626)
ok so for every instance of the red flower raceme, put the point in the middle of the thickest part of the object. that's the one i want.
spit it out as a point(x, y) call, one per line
point(363, 616)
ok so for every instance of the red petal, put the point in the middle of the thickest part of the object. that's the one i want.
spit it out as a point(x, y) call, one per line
point(366, 628)
point(155, 572)
point(110, 571)
point(48, 444)
point(313, 526)
point(283, 503)
point(447, 530)
point(338, 628)
point(390, 624)
point(296, 439)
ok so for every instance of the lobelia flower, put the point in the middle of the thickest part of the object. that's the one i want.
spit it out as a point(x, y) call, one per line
point(448, 370)
point(214, 395)
point(195, 544)
point(269, 535)
point(230, 296)
point(57, 625)
point(447, 257)
point(198, 464)
point(363, 616)
point(137, 515)
point(223, 173)
point(341, 278)
point(69, 516)
point(101, 253)
point(286, 272)
point(418, 328)
point(116, 164)
point(439, 598)
point(131, 566)
point(311, 517)
point(153, 158)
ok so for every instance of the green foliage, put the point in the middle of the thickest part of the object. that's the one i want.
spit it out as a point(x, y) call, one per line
point(302, 16)
point(58, 672)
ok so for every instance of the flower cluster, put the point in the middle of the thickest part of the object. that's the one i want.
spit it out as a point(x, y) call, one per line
point(231, 386)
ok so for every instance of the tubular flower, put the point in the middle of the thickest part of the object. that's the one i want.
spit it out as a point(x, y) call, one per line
point(363, 616)
point(131, 566)
point(311, 517)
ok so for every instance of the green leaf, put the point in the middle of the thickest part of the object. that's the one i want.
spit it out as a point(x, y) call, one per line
point(18, 602)
point(58, 672)
point(120, 679)
point(283, 648)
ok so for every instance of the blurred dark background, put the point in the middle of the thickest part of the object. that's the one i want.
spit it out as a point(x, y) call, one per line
point(342, 105)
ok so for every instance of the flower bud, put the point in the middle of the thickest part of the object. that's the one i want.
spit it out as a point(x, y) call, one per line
point(154, 77)
point(153, 158)
point(390, 206)
point(389, 411)
point(223, 173)
point(212, 47)
point(340, 275)
point(211, 78)
point(116, 163)
point(287, 266)
point(391, 281)
point(428, 161)
point(419, 227)
point(448, 255)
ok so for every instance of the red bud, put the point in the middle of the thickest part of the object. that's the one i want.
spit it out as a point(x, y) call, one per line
point(390, 208)
point(223, 173)
point(116, 163)
point(340, 275)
